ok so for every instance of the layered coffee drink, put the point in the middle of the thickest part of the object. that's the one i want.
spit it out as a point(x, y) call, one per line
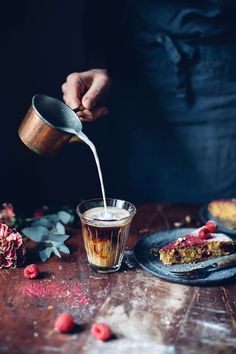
point(105, 224)
point(105, 236)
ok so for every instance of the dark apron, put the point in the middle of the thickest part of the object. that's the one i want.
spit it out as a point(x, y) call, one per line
point(178, 110)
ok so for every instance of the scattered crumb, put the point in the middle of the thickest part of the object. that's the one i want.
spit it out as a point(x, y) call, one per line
point(143, 231)
point(178, 224)
point(36, 334)
point(50, 307)
point(188, 219)
point(180, 239)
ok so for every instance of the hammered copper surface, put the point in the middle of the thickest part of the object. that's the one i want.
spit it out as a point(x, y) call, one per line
point(39, 136)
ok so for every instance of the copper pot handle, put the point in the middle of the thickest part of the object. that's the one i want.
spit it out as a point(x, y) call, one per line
point(75, 138)
point(79, 108)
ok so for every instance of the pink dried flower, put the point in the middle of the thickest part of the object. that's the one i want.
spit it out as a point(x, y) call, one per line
point(7, 214)
point(12, 248)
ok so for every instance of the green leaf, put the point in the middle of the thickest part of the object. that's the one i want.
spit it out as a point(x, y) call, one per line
point(36, 233)
point(49, 224)
point(65, 217)
point(58, 237)
point(49, 232)
point(52, 217)
point(60, 228)
point(45, 253)
point(55, 250)
point(63, 248)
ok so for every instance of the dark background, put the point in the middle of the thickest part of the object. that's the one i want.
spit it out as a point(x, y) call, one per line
point(41, 43)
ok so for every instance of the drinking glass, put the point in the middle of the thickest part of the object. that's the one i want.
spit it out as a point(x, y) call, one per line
point(105, 238)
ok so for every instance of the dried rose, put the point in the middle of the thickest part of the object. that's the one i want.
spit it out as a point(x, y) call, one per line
point(7, 214)
point(12, 248)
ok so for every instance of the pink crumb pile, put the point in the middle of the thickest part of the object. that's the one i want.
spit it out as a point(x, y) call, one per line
point(69, 293)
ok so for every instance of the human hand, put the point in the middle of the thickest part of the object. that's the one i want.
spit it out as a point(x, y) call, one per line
point(87, 89)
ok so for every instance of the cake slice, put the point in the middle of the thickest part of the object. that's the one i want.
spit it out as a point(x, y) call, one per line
point(201, 244)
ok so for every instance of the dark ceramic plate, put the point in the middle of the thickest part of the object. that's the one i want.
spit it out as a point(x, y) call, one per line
point(150, 261)
point(205, 216)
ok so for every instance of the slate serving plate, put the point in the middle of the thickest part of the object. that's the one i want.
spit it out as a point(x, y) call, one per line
point(205, 216)
point(150, 261)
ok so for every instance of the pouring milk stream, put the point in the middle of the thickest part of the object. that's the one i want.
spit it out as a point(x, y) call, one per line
point(47, 126)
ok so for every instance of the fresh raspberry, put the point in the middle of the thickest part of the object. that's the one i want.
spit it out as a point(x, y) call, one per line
point(101, 331)
point(64, 323)
point(204, 233)
point(31, 271)
point(211, 226)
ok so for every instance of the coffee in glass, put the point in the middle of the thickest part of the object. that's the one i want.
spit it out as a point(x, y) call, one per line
point(105, 234)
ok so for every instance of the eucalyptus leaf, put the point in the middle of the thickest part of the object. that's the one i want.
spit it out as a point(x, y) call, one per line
point(60, 228)
point(63, 248)
point(58, 237)
point(49, 224)
point(45, 253)
point(49, 232)
point(36, 233)
point(55, 250)
point(47, 243)
point(64, 216)
point(52, 217)
point(57, 244)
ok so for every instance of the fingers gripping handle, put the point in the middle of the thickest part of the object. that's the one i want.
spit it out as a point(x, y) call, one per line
point(79, 108)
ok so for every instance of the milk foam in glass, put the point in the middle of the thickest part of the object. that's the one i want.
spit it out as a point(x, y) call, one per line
point(105, 235)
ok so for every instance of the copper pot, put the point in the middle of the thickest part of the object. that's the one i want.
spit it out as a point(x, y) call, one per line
point(48, 125)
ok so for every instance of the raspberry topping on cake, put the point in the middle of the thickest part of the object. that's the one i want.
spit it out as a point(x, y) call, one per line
point(211, 226)
point(204, 233)
point(188, 240)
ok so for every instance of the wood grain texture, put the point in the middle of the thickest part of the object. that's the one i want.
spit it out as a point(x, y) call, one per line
point(144, 312)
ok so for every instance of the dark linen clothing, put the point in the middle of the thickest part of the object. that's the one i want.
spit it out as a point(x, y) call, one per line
point(187, 18)
point(174, 102)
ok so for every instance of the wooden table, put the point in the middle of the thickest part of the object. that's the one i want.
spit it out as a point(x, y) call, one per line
point(145, 313)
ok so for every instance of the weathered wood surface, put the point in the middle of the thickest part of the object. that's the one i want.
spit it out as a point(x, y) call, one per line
point(145, 313)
